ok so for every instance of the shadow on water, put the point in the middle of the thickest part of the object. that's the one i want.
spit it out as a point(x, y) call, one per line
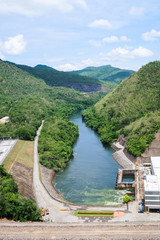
point(90, 176)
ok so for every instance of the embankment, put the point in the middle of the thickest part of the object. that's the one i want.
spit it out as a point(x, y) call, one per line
point(120, 156)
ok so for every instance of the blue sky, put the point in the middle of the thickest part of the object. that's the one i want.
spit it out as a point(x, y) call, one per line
point(73, 34)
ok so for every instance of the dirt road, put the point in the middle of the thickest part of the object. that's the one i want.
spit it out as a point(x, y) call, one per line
point(58, 212)
point(85, 231)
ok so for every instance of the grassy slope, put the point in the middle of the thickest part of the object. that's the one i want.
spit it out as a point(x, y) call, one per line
point(132, 108)
point(22, 153)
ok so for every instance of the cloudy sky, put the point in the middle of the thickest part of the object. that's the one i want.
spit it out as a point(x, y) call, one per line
point(73, 34)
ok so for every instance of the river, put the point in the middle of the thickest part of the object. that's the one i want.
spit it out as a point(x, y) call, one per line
point(90, 176)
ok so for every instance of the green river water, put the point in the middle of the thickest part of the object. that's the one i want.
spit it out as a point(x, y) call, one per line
point(90, 176)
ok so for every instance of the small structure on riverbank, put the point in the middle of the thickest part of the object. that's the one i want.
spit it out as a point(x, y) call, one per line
point(125, 179)
point(4, 120)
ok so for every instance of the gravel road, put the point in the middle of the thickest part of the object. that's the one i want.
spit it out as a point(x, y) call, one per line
point(76, 231)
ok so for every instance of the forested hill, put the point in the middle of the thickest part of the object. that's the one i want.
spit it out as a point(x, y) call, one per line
point(132, 109)
point(106, 73)
point(27, 100)
point(56, 78)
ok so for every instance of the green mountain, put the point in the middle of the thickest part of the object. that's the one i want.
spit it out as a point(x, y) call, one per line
point(27, 100)
point(56, 78)
point(44, 66)
point(106, 73)
point(132, 109)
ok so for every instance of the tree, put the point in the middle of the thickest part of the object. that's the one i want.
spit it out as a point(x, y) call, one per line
point(127, 199)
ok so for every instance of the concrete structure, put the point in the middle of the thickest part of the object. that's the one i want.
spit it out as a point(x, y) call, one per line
point(4, 120)
point(121, 184)
point(152, 185)
point(5, 148)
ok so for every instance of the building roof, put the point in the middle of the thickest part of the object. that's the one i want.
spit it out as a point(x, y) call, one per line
point(155, 161)
point(152, 183)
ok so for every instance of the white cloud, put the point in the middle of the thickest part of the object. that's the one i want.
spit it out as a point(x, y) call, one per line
point(151, 36)
point(73, 67)
point(111, 39)
point(87, 62)
point(95, 43)
point(38, 7)
point(124, 39)
point(1, 56)
point(101, 23)
point(81, 3)
point(15, 45)
point(142, 52)
point(137, 11)
point(67, 67)
point(126, 53)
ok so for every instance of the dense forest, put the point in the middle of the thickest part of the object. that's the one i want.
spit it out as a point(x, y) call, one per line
point(12, 206)
point(57, 139)
point(27, 100)
point(131, 109)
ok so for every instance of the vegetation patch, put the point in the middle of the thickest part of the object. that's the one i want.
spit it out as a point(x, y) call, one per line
point(85, 213)
point(12, 206)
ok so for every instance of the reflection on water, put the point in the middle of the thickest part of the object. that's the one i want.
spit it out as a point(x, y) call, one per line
point(90, 177)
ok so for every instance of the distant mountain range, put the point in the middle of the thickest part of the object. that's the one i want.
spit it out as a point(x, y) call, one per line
point(91, 79)
point(106, 73)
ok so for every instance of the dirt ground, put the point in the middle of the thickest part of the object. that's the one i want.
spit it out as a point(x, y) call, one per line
point(85, 231)
point(23, 176)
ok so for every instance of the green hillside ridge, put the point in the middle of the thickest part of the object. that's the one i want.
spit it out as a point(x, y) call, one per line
point(27, 100)
point(132, 109)
point(57, 78)
point(113, 76)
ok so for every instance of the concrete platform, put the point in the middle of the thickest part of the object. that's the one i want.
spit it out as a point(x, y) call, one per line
point(5, 148)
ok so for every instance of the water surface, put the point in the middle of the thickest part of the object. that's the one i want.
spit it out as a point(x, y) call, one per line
point(90, 177)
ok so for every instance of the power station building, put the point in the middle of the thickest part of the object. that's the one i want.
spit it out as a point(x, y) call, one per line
point(152, 185)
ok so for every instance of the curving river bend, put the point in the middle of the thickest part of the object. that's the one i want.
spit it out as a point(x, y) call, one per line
point(90, 177)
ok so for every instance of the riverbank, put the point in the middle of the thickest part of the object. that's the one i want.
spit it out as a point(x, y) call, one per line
point(85, 182)
point(47, 176)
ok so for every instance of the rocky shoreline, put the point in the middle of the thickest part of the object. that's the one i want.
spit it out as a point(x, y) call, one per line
point(46, 178)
